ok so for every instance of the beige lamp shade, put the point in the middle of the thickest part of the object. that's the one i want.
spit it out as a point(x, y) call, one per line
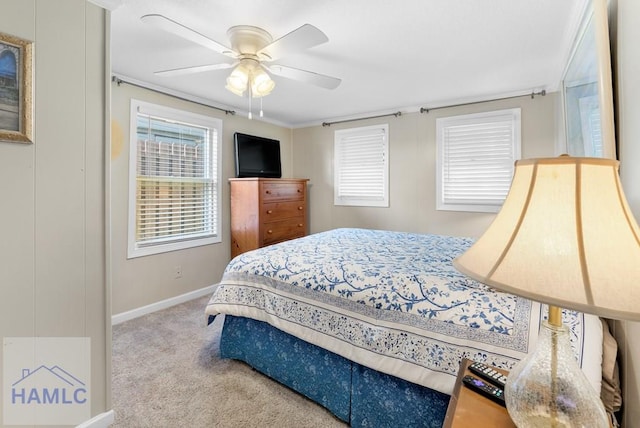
point(565, 236)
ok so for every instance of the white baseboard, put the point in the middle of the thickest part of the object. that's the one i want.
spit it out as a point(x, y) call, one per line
point(103, 420)
point(164, 304)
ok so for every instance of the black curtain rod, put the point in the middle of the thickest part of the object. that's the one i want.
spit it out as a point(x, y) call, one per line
point(533, 94)
point(119, 81)
point(427, 110)
point(396, 114)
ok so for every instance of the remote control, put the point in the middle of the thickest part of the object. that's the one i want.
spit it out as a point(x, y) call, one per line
point(487, 373)
point(482, 387)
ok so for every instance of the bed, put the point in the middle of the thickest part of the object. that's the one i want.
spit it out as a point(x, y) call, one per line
point(373, 324)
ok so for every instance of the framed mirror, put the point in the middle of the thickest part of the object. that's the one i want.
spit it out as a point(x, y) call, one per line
point(588, 89)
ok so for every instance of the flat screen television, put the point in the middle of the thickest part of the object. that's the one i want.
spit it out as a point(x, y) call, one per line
point(257, 156)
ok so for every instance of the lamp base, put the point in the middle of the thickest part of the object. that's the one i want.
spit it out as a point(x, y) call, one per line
point(547, 420)
point(548, 388)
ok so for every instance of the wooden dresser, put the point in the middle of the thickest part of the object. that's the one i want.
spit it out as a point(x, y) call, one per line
point(265, 211)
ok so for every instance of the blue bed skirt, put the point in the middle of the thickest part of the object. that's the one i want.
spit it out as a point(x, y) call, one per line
point(355, 394)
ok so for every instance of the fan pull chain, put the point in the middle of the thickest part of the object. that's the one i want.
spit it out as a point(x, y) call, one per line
point(250, 96)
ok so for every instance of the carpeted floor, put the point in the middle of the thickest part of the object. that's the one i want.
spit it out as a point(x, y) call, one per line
point(167, 373)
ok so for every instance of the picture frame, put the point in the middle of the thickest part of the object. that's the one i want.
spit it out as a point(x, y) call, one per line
point(16, 89)
point(587, 89)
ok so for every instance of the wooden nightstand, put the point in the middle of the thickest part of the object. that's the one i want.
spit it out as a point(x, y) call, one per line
point(470, 409)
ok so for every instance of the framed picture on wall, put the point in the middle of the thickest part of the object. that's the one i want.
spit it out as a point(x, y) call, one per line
point(16, 56)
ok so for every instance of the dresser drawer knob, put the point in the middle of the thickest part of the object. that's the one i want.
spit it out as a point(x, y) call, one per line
point(269, 211)
point(269, 232)
point(268, 192)
point(299, 208)
point(300, 225)
point(299, 191)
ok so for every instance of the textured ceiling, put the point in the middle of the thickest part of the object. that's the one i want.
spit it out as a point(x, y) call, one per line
point(391, 56)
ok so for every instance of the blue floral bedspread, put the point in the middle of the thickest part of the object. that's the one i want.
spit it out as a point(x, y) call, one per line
point(391, 301)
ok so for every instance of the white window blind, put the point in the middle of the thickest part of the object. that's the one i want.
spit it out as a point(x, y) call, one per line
point(476, 155)
point(591, 127)
point(361, 167)
point(175, 176)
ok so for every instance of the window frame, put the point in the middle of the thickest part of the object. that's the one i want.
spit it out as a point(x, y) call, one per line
point(361, 200)
point(477, 205)
point(170, 114)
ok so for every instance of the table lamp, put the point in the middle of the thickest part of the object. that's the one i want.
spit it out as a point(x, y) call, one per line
point(565, 236)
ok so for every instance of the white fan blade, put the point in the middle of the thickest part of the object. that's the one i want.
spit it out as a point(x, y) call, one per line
point(194, 69)
point(180, 30)
point(298, 40)
point(317, 79)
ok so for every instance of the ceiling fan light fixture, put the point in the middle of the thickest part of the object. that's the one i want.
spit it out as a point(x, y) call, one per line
point(234, 90)
point(261, 83)
point(237, 80)
point(248, 75)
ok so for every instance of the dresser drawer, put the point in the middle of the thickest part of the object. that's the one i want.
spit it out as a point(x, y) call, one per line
point(281, 210)
point(278, 231)
point(273, 191)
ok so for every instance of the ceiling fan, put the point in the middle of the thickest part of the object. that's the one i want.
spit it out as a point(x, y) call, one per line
point(252, 48)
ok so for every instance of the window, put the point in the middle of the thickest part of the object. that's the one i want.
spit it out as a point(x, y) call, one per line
point(475, 162)
point(174, 179)
point(361, 168)
point(589, 108)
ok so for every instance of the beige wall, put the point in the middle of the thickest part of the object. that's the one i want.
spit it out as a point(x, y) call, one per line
point(625, 39)
point(412, 143)
point(52, 222)
point(145, 280)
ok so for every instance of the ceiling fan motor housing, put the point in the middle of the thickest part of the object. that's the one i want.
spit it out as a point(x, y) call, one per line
point(248, 40)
